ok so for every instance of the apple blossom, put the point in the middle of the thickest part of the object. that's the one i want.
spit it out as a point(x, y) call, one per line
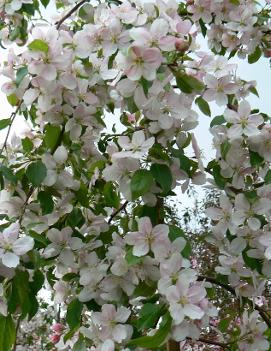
point(149, 238)
point(12, 246)
point(109, 95)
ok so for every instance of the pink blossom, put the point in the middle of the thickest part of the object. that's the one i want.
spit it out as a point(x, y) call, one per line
point(140, 62)
point(149, 238)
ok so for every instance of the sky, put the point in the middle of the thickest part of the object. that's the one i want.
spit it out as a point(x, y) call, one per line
point(260, 71)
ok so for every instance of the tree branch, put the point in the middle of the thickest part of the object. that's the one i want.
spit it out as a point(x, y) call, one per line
point(114, 214)
point(68, 14)
point(261, 311)
point(213, 342)
point(12, 118)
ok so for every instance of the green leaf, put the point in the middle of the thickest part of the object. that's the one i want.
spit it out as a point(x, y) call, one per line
point(188, 165)
point(7, 333)
point(8, 174)
point(156, 340)
point(203, 27)
point(46, 202)
point(36, 172)
point(27, 145)
point(218, 178)
point(45, 2)
point(235, 2)
point(39, 45)
point(254, 91)
point(73, 316)
point(76, 218)
point(224, 148)
point(176, 232)
point(162, 175)
point(256, 160)
point(203, 106)
point(217, 121)
point(149, 316)
point(253, 263)
point(20, 294)
point(82, 195)
point(144, 289)
point(13, 100)
point(51, 137)
point(20, 74)
point(131, 105)
point(267, 178)
point(110, 195)
point(79, 345)
point(223, 325)
point(141, 183)
point(255, 56)
point(4, 123)
point(131, 259)
point(188, 84)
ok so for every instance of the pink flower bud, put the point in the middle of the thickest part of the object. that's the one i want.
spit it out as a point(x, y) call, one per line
point(58, 328)
point(55, 338)
point(267, 53)
point(131, 117)
point(181, 45)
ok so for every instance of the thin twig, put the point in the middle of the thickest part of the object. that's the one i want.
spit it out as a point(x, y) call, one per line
point(68, 14)
point(114, 214)
point(213, 342)
point(12, 118)
point(30, 192)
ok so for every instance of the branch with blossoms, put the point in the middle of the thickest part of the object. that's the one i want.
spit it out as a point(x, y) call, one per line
point(126, 280)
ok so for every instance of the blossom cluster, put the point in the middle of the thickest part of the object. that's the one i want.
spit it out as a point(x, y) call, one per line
point(83, 209)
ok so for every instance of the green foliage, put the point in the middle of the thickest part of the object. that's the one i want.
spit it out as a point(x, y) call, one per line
point(255, 56)
point(112, 198)
point(174, 233)
point(4, 123)
point(73, 316)
point(162, 174)
point(79, 345)
point(51, 137)
point(20, 74)
point(39, 45)
point(188, 84)
point(156, 340)
point(203, 106)
point(45, 3)
point(217, 121)
point(256, 160)
point(7, 333)
point(149, 316)
point(267, 178)
point(131, 259)
point(46, 202)
point(141, 183)
point(27, 145)
point(36, 172)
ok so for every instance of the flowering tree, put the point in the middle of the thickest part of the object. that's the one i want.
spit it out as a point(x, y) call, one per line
point(83, 207)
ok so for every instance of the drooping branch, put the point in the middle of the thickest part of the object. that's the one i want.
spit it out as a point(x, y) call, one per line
point(261, 311)
point(69, 13)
